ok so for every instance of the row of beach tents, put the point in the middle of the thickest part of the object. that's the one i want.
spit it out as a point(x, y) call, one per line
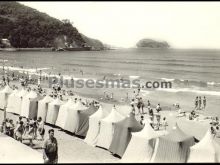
point(121, 134)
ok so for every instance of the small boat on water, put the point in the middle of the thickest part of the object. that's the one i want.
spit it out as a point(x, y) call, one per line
point(60, 49)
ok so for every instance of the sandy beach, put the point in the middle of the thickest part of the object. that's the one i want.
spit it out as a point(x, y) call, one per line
point(73, 149)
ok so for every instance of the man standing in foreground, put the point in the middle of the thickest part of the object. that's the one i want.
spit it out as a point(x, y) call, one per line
point(50, 149)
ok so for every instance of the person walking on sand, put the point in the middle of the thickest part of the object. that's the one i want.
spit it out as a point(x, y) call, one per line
point(148, 103)
point(139, 105)
point(204, 102)
point(142, 105)
point(19, 131)
point(164, 123)
point(50, 149)
point(41, 129)
point(196, 102)
point(200, 102)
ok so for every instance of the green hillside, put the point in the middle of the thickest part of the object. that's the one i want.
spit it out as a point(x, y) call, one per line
point(26, 27)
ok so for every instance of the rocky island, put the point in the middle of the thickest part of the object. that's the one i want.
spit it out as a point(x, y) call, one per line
point(149, 43)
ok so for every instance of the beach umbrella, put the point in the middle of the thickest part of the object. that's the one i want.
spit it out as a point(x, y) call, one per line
point(4, 96)
point(63, 112)
point(43, 107)
point(205, 151)
point(141, 146)
point(11, 99)
point(122, 134)
point(94, 126)
point(53, 110)
point(83, 125)
point(27, 108)
point(173, 147)
point(107, 128)
point(72, 119)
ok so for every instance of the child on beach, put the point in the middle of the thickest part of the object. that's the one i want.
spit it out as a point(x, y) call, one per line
point(19, 131)
point(41, 129)
point(142, 120)
point(151, 114)
point(30, 134)
point(133, 109)
point(11, 128)
point(164, 123)
point(213, 131)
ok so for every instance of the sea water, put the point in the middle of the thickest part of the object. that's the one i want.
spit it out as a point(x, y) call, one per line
point(190, 71)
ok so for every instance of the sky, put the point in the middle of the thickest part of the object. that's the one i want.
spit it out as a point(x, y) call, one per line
point(123, 24)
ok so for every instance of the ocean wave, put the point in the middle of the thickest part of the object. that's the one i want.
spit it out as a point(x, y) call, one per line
point(168, 79)
point(134, 77)
point(23, 69)
point(203, 92)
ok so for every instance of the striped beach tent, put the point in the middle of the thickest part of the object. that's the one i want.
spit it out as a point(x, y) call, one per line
point(94, 126)
point(63, 112)
point(122, 134)
point(18, 101)
point(107, 128)
point(4, 94)
point(141, 146)
point(173, 147)
point(53, 110)
point(26, 106)
point(205, 151)
point(72, 118)
point(11, 99)
point(83, 125)
point(43, 107)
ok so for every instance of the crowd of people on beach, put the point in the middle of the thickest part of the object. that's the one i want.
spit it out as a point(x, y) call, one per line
point(33, 129)
point(24, 129)
point(138, 107)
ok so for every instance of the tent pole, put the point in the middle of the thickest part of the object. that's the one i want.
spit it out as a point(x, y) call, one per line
point(4, 113)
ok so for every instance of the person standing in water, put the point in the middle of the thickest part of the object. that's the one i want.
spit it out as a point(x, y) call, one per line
point(204, 102)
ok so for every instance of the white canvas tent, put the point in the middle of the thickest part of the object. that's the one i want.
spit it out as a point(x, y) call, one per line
point(53, 110)
point(4, 96)
point(25, 107)
point(94, 127)
point(105, 135)
point(43, 107)
point(13, 151)
point(63, 112)
point(141, 146)
point(18, 100)
point(173, 147)
point(72, 116)
point(11, 99)
point(205, 151)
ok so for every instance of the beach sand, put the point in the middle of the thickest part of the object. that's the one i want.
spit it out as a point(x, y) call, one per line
point(72, 149)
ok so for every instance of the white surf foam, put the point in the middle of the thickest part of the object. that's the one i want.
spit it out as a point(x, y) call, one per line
point(203, 92)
